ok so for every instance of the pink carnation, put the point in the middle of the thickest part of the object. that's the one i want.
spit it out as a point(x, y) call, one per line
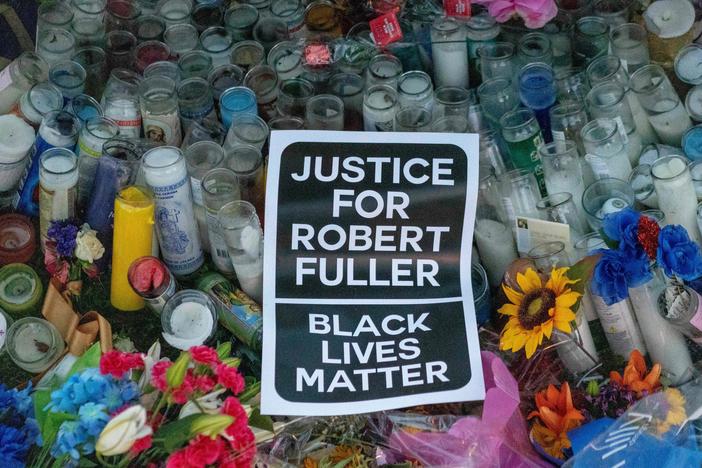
point(230, 378)
point(158, 375)
point(204, 355)
point(117, 363)
point(535, 13)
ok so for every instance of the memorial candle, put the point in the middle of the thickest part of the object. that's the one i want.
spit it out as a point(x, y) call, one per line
point(16, 139)
point(496, 247)
point(93, 135)
point(676, 193)
point(58, 177)
point(151, 279)
point(34, 344)
point(133, 233)
point(449, 53)
point(189, 319)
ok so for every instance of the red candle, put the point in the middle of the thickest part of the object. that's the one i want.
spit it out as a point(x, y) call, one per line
point(17, 239)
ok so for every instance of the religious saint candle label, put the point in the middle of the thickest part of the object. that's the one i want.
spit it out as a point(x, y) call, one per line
point(367, 297)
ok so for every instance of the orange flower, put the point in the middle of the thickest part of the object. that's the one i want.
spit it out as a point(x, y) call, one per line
point(635, 377)
point(556, 411)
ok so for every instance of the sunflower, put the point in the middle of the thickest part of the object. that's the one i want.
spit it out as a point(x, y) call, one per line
point(537, 309)
point(675, 414)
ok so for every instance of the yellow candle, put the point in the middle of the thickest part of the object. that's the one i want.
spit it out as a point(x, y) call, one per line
point(134, 224)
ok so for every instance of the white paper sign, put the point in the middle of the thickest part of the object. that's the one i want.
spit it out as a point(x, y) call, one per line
point(367, 298)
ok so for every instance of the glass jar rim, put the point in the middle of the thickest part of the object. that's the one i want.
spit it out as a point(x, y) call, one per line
point(616, 90)
point(12, 330)
point(238, 206)
point(195, 296)
point(454, 90)
point(217, 172)
point(73, 67)
point(175, 157)
point(131, 12)
point(59, 152)
point(567, 108)
point(261, 71)
point(592, 22)
point(251, 149)
point(252, 18)
point(526, 117)
point(32, 66)
point(609, 63)
point(628, 28)
point(414, 74)
point(386, 58)
point(546, 249)
point(300, 84)
point(342, 78)
point(445, 25)
point(213, 154)
point(58, 32)
point(604, 124)
point(220, 32)
point(666, 159)
point(558, 148)
point(582, 243)
point(484, 290)
point(98, 121)
point(554, 200)
point(423, 118)
point(536, 66)
point(534, 38)
point(490, 87)
point(388, 90)
point(284, 49)
point(486, 50)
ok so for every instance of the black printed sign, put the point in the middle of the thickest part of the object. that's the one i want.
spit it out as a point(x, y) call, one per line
point(367, 293)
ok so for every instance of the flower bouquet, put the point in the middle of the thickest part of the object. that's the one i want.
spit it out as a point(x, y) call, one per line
point(19, 432)
point(71, 254)
point(123, 409)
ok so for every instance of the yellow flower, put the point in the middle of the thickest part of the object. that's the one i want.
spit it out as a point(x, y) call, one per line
point(676, 414)
point(553, 443)
point(537, 309)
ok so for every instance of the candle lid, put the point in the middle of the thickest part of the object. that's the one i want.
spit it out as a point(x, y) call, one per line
point(669, 18)
point(20, 288)
point(17, 239)
point(16, 138)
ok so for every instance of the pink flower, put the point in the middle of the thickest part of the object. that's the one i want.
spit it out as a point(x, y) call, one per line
point(158, 375)
point(178, 459)
point(204, 451)
point(182, 393)
point(535, 13)
point(140, 445)
point(116, 363)
point(204, 383)
point(204, 355)
point(230, 378)
point(61, 272)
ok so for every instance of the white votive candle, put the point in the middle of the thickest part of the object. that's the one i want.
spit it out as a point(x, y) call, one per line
point(188, 319)
point(16, 139)
point(496, 246)
point(688, 64)
point(672, 123)
point(676, 193)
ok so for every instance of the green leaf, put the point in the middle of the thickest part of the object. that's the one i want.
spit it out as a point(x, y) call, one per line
point(89, 359)
point(41, 398)
point(175, 375)
point(224, 350)
point(232, 361)
point(253, 388)
point(52, 423)
point(582, 273)
point(175, 434)
point(86, 463)
point(256, 419)
point(211, 425)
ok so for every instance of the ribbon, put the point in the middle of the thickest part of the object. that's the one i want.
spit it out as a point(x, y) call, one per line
point(79, 331)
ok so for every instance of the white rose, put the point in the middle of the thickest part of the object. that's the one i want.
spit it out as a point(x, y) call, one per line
point(88, 247)
point(122, 431)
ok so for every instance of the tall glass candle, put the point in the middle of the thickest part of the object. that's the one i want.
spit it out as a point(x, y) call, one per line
point(560, 207)
point(563, 171)
point(219, 187)
point(415, 89)
point(93, 136)
point(84, 107)
point(451, 100)
point(94, 60)
point(166, 174)
point(195, 64)
point(55, 45)
point(88, 33)
point(537, 91)
point(58, 181)
point(268, 31)
point(572, 84)
point(286, 58)
point(325, 112)
point(383, 69)
point(606, 196)
point(240, 20)
point(413, 119)
point(59, 129)
point(534, 47)
point(630, 43)
point(246, 162)
point(69, 77)
point(244, 237)
point(449, 53)
point(379, 108)
point(119, 46)
point(224, 77)
point(159, 110)
point(133, 234)
point(16, 139)
point(497, 97)
point(349, 87)
point(195, 101)
point(658, 97)
point(19, 76)
point(676, 193)
point(481, 30)
point(567, 120)
point(201, 157)
point(120, 102)
point(37, 102)
point(518, 196)
point(181, 38)
point(606, 151)
point(247, 129)
point(217, 43)
point(247, 55)
point(494, 239)
point(497, 60)
point(591, 40)
point(263, 81)
point(523, 136)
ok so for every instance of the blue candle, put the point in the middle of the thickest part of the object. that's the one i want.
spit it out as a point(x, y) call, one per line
point(236, 100)
point(537, 91)
point(117, 168)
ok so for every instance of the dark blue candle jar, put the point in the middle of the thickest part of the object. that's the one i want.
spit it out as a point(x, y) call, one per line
point(537, 91)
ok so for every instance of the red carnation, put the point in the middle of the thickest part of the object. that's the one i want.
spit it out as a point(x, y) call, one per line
point(230, 378)
point(204, 383)
point(117, 363)
point(140, 445)
point(204, 355)
point(203, 450)
point(158, 375)
point(647, 236)
point(178, 459)
point(182, 393)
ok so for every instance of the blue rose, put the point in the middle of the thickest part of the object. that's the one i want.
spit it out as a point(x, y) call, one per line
point(610, 277)
point(678, 255)
point(616, 225)
point(637, 266)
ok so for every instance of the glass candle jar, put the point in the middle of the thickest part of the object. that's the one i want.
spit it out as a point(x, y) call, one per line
point(481, 29)
point(534, 47)
point(201, 157)
point(450, 100)
point(497, 60)
point(677, 198)
point(286, 58)
point(37, 102)
point(195, 64)
point(657, 96)
point(151, 280)
point(497, 97)
point(324, 112)
point(163, 68)
point(450, 124)
point(493, 238)
point(207, 130)
point(641, 182)
point(247, 55)
point(537, 91)
point(150, 28)
point(287, 123)
point(606, 196)
point(380, 104)
point(449, 53)
point(240, 20)
point(17, 240)
point(243, 235)
point(56, 45)
point(19, 76)
point(561, 207)
point(188, 319)
point(566, 122)
point(575, 8)
point(34, 344)
point(606, 152)
point(119, 47)
point(413, 119)
point(93, 135)
point(58, 183)
point(181, 38)
point(687, 64)
point(84, 108)
point(88, 33)
point(323, 17)
point(571, 84)
point(548, 256)
point(120, 101)
point(247, 129)
point(54, 15)
point(235, 101)
point(613, 12)
point(207, 15)
point(219, 187)
point(522, 134)
point(68, 77)
point(349, 87)
point(195, 101)
point(268, 31)
point(263, 81)
point(149, 52)
point(16, 139)
point(630, 43)
point(175, 11)
point(167, 176)
point(481, 294)
point(217, 42)
point(121, 15)
point(224, 77)
point(590, 40)
point(383, 69)
point(563, 171)
point(518, 195)
point(94, 61)
point(489, 154)
point(246, 161)
point(415, 89)
point(160, 115)
point(293, 96)
point(292, 13)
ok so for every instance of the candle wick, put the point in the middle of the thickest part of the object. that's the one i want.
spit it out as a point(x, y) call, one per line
point(666, 15)
point(41, 346)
